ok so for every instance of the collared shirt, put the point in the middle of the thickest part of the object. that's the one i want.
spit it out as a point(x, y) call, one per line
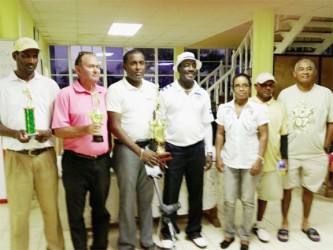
point(136, 106)
point(13, 100)
point(241, 145)
point(277, 126)
point(72, 108)
point(185, 115)
point(308, 114)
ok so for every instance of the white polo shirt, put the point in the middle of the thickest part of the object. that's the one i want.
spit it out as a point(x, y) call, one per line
point(241, 145)
point(136, 106)
point(13, 100)
point(185, 114)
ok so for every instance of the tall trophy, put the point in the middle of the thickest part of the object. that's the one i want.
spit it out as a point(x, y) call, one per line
point(29, 114)
point(96, 116)
point(157, 127)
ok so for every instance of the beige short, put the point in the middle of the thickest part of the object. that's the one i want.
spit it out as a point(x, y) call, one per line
point(309, 173)
point(269, 187)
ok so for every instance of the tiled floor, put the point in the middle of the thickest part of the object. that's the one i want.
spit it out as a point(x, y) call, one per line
point(321, 219)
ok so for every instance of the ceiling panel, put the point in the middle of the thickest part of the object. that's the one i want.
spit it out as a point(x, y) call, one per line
point(166, 23)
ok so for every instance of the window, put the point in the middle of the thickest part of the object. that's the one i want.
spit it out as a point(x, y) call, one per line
point(59, 65)
point(159, 63)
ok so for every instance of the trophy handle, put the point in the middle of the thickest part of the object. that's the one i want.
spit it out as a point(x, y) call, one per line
point(164, 157)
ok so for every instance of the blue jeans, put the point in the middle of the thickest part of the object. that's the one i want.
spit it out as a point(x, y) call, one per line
point(188, 161)
point(81, 175)
point(239, 183)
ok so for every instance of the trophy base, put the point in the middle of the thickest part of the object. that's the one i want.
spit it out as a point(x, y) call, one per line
point(97, 138)
point(164, 157)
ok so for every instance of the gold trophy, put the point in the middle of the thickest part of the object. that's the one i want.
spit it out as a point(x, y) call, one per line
point(96, 116)
point(29, 114)
point(157, 127)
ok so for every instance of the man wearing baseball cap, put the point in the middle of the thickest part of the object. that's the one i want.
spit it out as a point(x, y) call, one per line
point(270, 183)
point(187, 110)
point(30, 162)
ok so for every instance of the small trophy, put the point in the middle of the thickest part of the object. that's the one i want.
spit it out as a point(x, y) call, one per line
point(29, 114)
point(96, 116)
point(157, 127)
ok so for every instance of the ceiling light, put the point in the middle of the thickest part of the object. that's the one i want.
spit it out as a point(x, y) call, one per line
point(124, 29)
point(104, 54)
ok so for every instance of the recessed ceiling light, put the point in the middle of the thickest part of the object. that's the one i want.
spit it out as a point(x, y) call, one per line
point(124, 29)
point(104, 54)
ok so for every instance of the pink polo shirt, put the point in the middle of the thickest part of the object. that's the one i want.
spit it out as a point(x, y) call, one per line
point(72, 107)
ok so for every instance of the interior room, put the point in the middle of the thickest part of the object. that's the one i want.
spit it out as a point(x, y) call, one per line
point(229, 37)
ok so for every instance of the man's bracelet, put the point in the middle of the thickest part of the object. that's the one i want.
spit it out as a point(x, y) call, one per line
point(261, 158)
point(141, 154)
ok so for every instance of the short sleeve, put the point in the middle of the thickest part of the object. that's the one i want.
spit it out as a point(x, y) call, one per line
point(113, 99)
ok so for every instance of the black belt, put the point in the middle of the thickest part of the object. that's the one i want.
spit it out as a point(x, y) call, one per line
point(141, 144)
point(32, 152)
point(89, 157)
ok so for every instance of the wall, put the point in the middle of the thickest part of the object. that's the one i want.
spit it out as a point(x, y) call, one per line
point(15, 22)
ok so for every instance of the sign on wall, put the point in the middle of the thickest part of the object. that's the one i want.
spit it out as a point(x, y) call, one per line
point(7, 64)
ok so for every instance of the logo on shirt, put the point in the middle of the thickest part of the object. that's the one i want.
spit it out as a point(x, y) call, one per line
point(302, 118)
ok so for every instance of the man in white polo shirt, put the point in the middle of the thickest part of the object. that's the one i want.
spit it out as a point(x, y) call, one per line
point(187, 110)
point(130, 104)
point(30, 162)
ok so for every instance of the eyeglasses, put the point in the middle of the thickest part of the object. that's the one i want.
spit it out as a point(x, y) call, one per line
point(244, 86)
point(265, 85)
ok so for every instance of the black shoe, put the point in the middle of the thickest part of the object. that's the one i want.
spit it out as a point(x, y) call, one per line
point(244, 247)
point(225, 244)
point(153, 247)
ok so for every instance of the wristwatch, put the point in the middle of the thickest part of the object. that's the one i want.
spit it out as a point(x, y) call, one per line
point(209, 153)
point(327, 150)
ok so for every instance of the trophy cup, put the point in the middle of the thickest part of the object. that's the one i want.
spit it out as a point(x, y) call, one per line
point(96, 116)
point(29, 114)
point(157, 127)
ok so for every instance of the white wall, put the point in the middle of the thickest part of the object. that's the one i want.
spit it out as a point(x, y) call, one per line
point(2, 176)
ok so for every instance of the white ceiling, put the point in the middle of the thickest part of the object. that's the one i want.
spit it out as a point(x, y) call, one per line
point(166, 23)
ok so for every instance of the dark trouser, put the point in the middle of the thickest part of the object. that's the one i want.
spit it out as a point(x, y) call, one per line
point(81, 175)
point(188, 161)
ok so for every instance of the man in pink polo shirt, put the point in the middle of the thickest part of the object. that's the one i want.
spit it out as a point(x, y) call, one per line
point(80, 119)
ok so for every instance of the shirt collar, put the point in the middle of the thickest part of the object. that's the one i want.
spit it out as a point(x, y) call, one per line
point(196, 87)
point(131, 87)
point(78, 87)
point(256, 99)
point(12, 76)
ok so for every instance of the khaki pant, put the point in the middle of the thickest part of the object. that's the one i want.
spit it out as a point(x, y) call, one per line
point(26, 175)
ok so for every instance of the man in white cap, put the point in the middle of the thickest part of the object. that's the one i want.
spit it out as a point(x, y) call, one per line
point(187, 110)
point(270, 183)
point(30, 162)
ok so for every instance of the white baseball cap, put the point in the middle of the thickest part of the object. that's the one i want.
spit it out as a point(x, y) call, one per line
point(186, 56)
point(264, 77)
point(25, 43)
